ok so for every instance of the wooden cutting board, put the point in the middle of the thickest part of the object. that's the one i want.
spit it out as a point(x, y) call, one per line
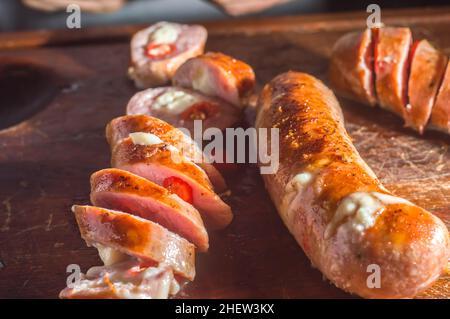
point(63, 87)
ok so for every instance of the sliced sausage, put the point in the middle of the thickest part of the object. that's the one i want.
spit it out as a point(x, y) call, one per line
point(391, 67)
point(121, 128)
point(347, 223)
point(120, 190)
point(136, 237)
point(181, 107)
point(427, 69)
point(158, 51)
point(166, 166)
point(131, 279)
point(351, 67)
point(217, 74)
point(440, 115)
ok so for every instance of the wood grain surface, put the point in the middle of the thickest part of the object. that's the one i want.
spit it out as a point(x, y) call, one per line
point(60, 94)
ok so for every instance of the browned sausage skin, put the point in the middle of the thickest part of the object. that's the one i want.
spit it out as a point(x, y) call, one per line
point(174, 44)
point(440, 115)
point(427, 69)
point(217, 74)
point(409, 79)
point(136, 237)
point(351, 69)
point(121, 190)
point(392, 47)
point(333, 204)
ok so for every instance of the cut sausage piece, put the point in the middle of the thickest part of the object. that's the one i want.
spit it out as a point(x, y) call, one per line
point(351, 68)
point(440, 115)
point(121, 127)
point(158, 51)
point(217, 74)
point(181, 107)
point(427, 69)
point(406, 78)
point(392, 47)
point(136, 237)
point(120, 190)
point(160, 163)
point(347, 223)
point(130, 279)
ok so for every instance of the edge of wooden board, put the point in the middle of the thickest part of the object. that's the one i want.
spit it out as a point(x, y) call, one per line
point(298, 23)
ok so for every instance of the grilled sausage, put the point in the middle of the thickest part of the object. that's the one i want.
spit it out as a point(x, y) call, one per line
point(351, 69)
point(409, 79)
point(120, 190)
point(181, 107)
point(440, 115)
point(121, 127)
point(427, 69)
point(158, 51)
point(167, 167)
point(391, 66)
point(333, 204)
point(136, 237)
point(217, 74)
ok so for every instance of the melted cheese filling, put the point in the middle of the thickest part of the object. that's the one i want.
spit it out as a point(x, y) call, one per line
point(165, 33)
point(294, 188)
point(202, 83)
point(174, 102)
point(128, 280)
point(359, 211)
point(141, 138)
point(108, 255)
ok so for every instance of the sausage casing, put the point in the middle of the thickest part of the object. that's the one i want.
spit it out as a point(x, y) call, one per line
point(333, 204)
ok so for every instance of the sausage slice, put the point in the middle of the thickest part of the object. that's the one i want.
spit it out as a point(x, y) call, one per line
point(120, 190)
point(120, 128)
point(440, 115)
point(130, 279)
point(427, 69)
point(391, 67)
point(167, 167)
point(158, 51)
point(351, 67)
point(136, 237)
point(217, 74)
point(180, 107)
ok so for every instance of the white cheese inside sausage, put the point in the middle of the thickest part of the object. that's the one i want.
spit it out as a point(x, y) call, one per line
point(142, 138)
point(108, 255)
point(201, 82)
point(174, 102)
point(165, 33)
point(127, 280)
point(294, 188)
point(359, 211)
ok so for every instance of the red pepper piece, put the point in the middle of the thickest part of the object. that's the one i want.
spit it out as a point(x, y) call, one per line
point(159, 51)
point(179, 187)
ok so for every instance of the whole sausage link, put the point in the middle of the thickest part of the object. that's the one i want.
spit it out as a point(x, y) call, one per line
point(361, 237)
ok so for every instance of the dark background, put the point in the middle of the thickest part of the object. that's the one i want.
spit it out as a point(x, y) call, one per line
point(14, 16)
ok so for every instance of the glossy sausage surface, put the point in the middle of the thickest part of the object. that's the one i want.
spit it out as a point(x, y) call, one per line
point(411, 81)
point(126, 192)
point(137, 237)
point(440, 115)
point(333, 204)
point(351, 68)
point(427, 69)
point(217, 74)
point(391, 55)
